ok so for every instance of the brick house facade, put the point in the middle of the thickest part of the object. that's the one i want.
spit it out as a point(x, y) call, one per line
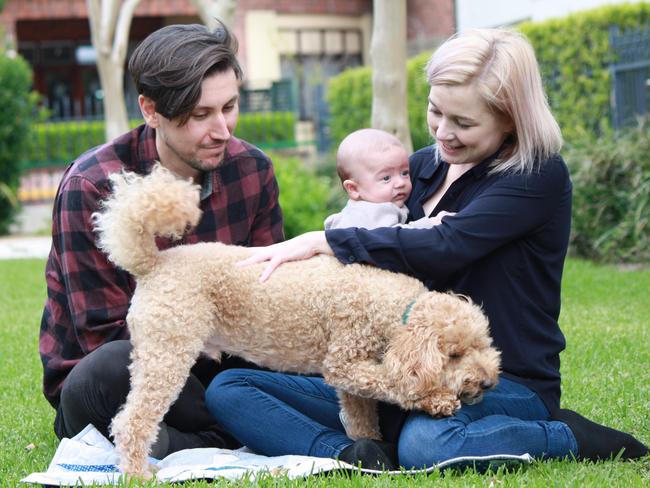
point(279, 39)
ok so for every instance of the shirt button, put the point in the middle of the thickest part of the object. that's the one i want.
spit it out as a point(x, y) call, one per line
point(352, 258)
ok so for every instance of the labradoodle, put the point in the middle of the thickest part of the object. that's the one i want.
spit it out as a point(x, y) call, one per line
point(372, 334)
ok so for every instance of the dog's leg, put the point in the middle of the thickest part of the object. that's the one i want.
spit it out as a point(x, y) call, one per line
point(360, 414)
point(158, 372)
point(361, 378)
point(369, 379)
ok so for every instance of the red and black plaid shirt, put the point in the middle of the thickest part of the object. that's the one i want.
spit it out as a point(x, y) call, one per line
point(88, 297)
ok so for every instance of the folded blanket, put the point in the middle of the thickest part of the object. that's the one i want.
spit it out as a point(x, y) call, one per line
point(91, 458)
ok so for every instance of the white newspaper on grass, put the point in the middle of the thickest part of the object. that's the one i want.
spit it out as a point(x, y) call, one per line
point(90, 458)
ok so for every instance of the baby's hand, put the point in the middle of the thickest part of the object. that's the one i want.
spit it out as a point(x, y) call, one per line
point(437, 219)
point(427, 222)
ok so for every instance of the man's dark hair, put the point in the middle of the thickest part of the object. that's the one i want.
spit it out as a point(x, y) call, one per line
point(171, 63)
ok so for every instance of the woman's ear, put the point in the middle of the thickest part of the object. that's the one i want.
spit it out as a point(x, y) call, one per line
point(508, 125)
point(148, 109)
point(352, 189)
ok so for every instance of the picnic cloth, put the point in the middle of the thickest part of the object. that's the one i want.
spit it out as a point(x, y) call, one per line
point(91, 458)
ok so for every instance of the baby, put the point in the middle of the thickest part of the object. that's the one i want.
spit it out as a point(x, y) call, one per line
point(374, 169)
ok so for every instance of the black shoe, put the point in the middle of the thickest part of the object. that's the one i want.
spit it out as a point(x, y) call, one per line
point(597, 442)
point(371, 454)
point(214, 436)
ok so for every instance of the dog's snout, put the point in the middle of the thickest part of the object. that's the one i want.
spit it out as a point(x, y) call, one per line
point(487, 384)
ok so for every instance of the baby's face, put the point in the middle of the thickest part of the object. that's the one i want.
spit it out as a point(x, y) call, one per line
point(383, 177)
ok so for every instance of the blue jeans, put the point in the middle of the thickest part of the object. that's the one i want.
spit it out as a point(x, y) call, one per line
point(276, 414)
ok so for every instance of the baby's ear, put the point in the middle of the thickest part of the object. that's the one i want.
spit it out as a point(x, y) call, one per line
point(352, 189)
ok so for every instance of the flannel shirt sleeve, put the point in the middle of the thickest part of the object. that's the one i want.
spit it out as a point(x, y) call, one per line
point(97, 292)
point(268, 223)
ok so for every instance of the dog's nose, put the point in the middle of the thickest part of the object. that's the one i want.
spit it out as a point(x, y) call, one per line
point(487, 384)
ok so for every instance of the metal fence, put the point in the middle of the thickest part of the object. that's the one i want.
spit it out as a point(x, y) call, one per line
point(280, 97)
point(268, 120)
point(630, 75)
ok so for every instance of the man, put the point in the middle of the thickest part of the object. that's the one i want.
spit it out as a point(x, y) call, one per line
point(188, 83)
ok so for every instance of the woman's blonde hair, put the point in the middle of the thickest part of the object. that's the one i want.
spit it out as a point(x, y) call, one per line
point(502, 66)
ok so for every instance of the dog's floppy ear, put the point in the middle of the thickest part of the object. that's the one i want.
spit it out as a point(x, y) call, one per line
point(459, 322)
point(414, 361)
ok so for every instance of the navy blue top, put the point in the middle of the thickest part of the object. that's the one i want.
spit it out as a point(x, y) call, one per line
point(505, 248)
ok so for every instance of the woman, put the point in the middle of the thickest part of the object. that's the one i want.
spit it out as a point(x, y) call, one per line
point(504, 192)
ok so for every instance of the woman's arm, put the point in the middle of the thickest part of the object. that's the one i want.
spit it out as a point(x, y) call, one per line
point(301, 247)
point(510, 208)
point(496, 212)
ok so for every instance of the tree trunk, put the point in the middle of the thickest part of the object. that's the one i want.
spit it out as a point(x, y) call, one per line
point(211, 10)
point(110, 22)
point(389, 76)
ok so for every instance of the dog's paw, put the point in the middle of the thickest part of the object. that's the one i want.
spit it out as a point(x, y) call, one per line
point(440, 407)
point(363, 433)
point(137, 473)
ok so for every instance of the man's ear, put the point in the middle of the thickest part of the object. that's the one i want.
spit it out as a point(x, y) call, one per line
point(148, 109)
point(352, 189)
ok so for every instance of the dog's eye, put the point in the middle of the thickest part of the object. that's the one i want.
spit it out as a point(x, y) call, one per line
point(454, 355)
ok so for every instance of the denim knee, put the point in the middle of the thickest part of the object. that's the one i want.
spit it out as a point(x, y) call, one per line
point(222, 395)
point(425, 441)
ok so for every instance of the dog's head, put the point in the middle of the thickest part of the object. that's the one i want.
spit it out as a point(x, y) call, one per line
point(445, 346)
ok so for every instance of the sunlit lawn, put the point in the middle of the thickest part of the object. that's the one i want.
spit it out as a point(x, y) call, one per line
point(606, 318)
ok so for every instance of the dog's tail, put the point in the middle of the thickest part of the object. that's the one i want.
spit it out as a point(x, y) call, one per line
point(141, 208)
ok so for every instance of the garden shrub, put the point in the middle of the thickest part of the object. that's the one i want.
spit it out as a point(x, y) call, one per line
point(611, 197)
point(349, 96)
point(574, 57)
point(305, 196)
point(18, 105)
point(59, 143)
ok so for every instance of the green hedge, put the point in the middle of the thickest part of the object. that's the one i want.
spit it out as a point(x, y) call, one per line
point(611, 195)
point(574, 57)
point(306, 198)
point(610, 172)
point(18, 105)
point(349, 96)
point(59, 143)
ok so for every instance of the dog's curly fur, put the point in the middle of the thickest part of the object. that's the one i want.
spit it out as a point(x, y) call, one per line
point(316, 316)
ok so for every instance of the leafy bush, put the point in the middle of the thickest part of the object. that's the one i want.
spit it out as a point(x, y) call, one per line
point(575, 56)
point(17, 102)
point(59, 143)
point(349, 96)
point(305, 197)
point(268, 129)
point(611, 214)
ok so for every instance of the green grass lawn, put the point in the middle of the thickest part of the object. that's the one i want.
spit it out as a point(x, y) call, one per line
point(606, 319)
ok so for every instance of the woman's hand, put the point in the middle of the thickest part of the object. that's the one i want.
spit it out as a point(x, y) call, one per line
point(301, 247)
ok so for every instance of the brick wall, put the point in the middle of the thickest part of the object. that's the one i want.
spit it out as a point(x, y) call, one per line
point(70, 9)
point(39, 9)
point(428, 20)
point(320, 7)
point(429, 23)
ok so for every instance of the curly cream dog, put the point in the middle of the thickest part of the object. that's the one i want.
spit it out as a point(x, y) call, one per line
point(372, 334)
